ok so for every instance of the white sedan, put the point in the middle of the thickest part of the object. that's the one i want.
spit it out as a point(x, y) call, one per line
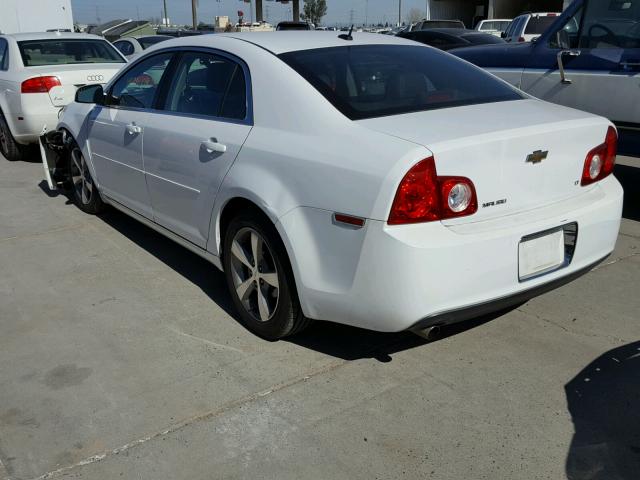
point(39, 74)
point(354, 179)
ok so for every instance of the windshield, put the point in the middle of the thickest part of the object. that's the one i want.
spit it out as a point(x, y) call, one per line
point(538, 25)
point(66, 52)
point(367, 81)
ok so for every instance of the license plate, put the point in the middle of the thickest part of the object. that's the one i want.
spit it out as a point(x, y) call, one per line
point(540, 254)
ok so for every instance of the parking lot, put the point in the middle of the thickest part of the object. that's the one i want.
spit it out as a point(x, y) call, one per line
point(120, 359)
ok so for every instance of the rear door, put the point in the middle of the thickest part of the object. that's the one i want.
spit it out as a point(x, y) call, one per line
point(116, 133)
point(599, 44)
point(192, 142)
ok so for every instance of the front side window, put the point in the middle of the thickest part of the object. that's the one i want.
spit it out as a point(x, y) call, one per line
point(138, 86)
point(209, 85)
point(367, 81)
point(611, 24)
point(37, 53)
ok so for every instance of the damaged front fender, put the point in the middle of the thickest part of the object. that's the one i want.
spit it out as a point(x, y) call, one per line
point(54, 151)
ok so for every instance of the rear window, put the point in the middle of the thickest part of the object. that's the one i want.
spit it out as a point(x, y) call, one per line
point(538, 25)
point(146, 42)
point(65, 52)
point(481, 38)
point(367, 81)
point(500, 26)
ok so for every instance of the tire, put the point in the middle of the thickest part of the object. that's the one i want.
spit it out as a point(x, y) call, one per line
point(84, 191)
point(11, 150)
point(263, 292)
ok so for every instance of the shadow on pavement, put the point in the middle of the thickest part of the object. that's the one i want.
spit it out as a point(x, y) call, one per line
point(192, 267)
point(351, 343)
point(629, 177)
point(604, 402)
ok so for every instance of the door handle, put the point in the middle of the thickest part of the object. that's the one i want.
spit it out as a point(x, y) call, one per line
point(133, 129)
point(213, 146)
point(568, 53)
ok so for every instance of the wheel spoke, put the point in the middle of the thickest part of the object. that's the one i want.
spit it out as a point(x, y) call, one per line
point(263, 306)
point(78, 164)
point(239, 253)
point(85, 193)
point(271, 279)
point(245, 288)
point(256, 248)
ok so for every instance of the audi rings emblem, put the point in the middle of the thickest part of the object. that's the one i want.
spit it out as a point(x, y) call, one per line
point(95, 78)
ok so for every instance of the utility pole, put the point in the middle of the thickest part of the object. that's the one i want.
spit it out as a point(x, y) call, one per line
point(166, 16)
point(97, 14)
point(428, 10)
point(366, 13)
point(399, 12)
point(194, 14)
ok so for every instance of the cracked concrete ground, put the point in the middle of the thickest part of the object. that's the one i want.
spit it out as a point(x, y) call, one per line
point(119, 358)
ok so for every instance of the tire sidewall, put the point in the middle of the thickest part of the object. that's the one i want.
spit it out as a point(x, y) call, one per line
point(283, 320)
point(13, 151)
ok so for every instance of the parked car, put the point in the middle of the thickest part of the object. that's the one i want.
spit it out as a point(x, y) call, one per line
point(494, 26)
point(428, 24)
point(589, 59)
point(528, 27)
point(449, 38)
point(39, 74)
point(386, 199)
point(293, 26)
point(131, 46)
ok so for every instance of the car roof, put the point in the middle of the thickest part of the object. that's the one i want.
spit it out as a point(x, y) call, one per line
point(52, 36)
point(290, 41)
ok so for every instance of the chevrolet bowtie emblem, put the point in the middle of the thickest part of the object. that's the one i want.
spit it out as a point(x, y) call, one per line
point(537, 156)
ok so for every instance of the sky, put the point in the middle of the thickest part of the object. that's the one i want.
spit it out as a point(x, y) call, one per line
point(338, 11)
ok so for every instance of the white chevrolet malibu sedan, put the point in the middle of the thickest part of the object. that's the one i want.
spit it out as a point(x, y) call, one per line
point(39, 74)
point(362, 179)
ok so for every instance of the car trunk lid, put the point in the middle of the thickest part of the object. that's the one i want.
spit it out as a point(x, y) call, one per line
point(520, 154)
point(72, 77)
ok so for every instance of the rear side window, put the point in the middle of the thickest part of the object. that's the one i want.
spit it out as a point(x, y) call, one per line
point(64, 52)
point(538, 25)
point(367, 81)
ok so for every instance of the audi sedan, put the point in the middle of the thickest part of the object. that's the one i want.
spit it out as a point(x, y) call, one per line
point(386, 199)
point(39, 75)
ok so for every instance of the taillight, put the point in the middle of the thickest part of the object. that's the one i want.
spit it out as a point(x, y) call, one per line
point(40, 84)
point(423, 196)
point(601, 160)
point(522, 39)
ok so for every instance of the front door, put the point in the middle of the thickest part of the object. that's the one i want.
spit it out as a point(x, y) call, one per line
point(192, 142)
point(599, 47)
point(116, 133)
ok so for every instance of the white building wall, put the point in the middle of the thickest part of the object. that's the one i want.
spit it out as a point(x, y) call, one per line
point(35, 15)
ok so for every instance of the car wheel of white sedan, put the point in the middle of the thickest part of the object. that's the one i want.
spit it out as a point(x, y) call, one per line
point(260, 279)
point(8, 146)
point(83, 189)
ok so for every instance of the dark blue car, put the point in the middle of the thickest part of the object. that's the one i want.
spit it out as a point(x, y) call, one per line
point(589, 59)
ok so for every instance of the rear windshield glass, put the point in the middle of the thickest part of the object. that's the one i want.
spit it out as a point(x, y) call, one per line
point(500, 26)
point(64, 52)
point(367, 81)
point(146, 42)
point(481, 38)
point(538, 25)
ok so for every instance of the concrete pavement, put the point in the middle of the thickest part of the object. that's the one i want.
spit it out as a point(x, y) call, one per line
point(120, 358)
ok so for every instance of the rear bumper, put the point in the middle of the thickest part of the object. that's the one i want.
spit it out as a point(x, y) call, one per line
point(30, 115)
point(394, 278)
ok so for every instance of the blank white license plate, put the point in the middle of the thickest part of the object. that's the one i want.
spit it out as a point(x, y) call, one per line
point(540, 254)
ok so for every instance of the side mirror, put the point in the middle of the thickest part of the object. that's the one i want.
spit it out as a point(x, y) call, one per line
point(503, 34)
point(90, 94)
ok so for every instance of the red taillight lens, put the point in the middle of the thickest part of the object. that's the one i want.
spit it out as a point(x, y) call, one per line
point(40, 84)
point(422, 196)
point(521, 39)
point(601, 160)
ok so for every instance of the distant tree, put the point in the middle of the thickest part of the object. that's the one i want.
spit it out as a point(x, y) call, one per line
point(314, 10)
point(414, 15)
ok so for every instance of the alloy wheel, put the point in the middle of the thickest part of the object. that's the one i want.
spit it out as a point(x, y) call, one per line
point(80, 176)
point(254, 274)
point(4, 140)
